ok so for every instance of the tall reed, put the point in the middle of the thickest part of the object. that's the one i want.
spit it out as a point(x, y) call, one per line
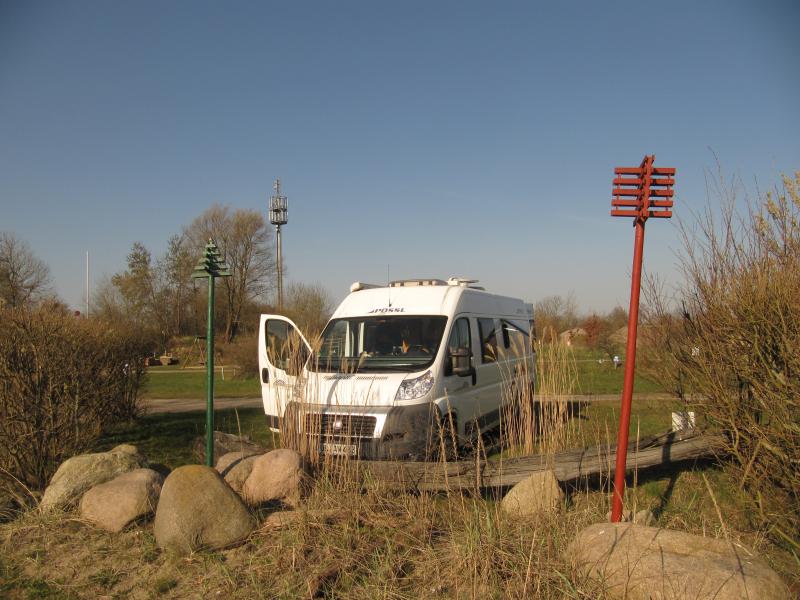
point(537, 399)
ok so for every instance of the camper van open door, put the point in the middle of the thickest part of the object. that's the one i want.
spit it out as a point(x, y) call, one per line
point(282, 354)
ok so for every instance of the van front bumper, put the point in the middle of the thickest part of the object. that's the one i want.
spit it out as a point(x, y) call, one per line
point(397, 433)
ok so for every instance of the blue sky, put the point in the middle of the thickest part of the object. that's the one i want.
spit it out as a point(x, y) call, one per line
point(438, 138)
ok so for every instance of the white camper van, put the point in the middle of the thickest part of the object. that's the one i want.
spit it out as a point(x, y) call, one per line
point(394, 363)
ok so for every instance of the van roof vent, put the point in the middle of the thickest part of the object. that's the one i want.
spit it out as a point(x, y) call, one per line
point(416, 282)
point(357, 286)
point(463, 282)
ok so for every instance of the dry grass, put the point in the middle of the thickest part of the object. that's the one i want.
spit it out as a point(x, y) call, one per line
point(365, 541)
point(538, 404)
point(354, 537)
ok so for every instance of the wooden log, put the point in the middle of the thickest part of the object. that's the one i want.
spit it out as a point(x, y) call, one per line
point(567, 466)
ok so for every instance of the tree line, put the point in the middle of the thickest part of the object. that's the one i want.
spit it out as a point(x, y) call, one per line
point(557, 315)
point(160, 294)
point(157, 294)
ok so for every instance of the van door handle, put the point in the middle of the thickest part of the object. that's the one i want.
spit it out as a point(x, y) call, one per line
point(264, 375)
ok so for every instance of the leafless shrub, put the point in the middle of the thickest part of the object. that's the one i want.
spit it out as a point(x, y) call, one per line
point(244, 239)
point(243, 353)
point(24, 279)
point(736, 343)
point(309, 306)
point(62, 379)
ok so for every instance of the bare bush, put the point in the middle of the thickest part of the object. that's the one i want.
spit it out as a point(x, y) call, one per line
point(736, 344)
point(309, 306)
point(245, 241)
point(24, 279)
point(243, 353)
point(62, 379)
point(555, 314)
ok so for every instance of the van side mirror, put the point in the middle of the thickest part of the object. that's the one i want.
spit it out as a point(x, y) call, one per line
point(461, 361)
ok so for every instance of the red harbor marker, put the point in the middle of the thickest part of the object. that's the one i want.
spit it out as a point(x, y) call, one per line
point(639, 192)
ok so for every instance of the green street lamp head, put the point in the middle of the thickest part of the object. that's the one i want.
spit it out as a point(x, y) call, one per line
point(211, 264)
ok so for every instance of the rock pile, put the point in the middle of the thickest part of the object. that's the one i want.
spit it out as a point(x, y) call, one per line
point(235, 468)
point(80, 473)
point(194, 506)
point(198, 509)
point(278, 476)
point(115, 504)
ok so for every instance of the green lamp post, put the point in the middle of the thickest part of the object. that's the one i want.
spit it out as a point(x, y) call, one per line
point(211, 266)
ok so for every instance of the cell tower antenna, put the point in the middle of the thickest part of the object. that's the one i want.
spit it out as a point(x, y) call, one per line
point(278, 216)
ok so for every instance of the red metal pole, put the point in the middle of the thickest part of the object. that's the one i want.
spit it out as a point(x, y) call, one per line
point(630, 366)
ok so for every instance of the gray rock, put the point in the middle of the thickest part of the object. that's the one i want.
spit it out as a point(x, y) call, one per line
point(127, 497)
point(79, 473)
point(197, 509)
point(126, 449)
point(224, 443)
point(537, 493)
point(279, 475)
point(647, 563)
point(643, 517)
point(235, 468)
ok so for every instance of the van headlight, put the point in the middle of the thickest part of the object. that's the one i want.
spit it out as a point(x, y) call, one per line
point(411, 389)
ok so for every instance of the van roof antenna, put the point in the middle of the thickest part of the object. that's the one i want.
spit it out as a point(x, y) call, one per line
point(388, 287)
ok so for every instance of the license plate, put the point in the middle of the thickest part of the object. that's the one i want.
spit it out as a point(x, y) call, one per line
point(333, 449)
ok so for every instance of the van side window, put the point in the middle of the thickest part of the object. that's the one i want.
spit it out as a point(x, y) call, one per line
point(285, 348)
point(277, 343)
point(488, 340)
point(459, 336)
point(515, 338)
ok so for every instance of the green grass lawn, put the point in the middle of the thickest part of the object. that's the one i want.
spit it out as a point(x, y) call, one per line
point(597, 375)
point(167, 438)
point(176, 383)
point(597, 422)
point(602, 378)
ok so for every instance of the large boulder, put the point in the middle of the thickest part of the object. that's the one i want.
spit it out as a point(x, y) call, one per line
point(224, 443)
point(235, 468)
point(639, 562)
point(197, 509)
point(79, 473)
point(538, 493)
point(279, 475)
point(127, 497)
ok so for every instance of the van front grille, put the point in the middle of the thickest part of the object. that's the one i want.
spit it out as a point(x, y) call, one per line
point(359, 426)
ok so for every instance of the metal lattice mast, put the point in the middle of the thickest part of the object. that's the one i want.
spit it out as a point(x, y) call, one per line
point(279, 215)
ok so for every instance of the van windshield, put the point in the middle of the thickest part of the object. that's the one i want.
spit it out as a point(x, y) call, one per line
point(384, 343)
